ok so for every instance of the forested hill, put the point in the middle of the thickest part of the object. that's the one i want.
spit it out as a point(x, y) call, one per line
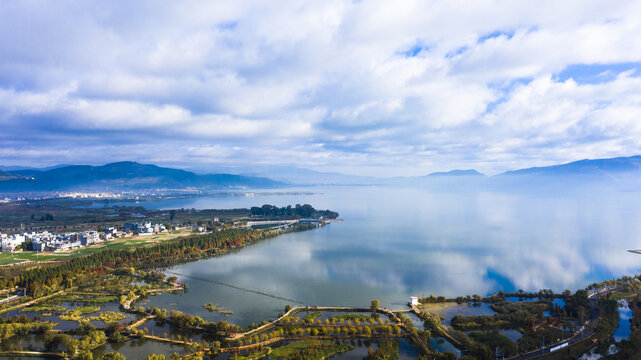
point(124, 176)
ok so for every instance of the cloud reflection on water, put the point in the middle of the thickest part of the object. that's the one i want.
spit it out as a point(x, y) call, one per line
point(398, 242)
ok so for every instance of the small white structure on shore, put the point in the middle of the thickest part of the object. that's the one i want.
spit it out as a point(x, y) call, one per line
point(413, 300)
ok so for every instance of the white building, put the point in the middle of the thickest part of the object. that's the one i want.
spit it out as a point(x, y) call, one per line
point(62, 246)
point(10, 243)
point(142, 228)
point(413, 300)
point(89, 237)
point(38, 246)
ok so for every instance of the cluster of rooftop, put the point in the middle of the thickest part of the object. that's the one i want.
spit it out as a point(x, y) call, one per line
point(47, 241)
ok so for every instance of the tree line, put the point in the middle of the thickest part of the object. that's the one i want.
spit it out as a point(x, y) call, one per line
point(53, 277)
point(298, 211)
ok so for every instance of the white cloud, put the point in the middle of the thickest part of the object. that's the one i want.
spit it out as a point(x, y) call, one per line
point(480, 91)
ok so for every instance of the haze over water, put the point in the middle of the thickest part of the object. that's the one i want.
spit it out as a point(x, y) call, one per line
point(394, 243)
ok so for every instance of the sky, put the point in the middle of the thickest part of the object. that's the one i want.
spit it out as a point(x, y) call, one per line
point(380, 88)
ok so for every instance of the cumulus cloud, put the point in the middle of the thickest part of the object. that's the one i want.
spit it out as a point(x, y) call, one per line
point(363, 87)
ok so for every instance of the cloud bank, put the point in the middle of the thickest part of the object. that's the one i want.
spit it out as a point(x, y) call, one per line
point(363, 87)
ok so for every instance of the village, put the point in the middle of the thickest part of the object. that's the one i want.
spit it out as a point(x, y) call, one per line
point(46, 241)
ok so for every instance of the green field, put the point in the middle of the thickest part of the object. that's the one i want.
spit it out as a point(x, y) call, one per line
point(6, 258)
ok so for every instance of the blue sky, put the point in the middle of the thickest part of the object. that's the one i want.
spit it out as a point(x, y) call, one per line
point(369, 87)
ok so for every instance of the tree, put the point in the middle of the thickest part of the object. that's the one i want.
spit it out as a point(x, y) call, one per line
point(172, 215)
point(375, 305)
point(46, 217)
point(214, 347)
point(85, 355)
point(114, 356)
point(529, 323)
point(156, 357)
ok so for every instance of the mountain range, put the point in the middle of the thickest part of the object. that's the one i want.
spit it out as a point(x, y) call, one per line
point(123, 176)
point(131, 175)
point(607, 168)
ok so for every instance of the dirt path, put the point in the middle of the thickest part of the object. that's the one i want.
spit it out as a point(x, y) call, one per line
point(33, 353)
point(174, 341)
point(443, 330)
point(31, 302)
point(140, 322)
point(259, 329)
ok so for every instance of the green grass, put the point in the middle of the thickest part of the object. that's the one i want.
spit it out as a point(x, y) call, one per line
point(310, 349)
point(86, 309)
point(36, 308)
point(9, 261)
point(292, 348)
point(618, 295)
point(76, 298)
point(109, 317)
point(360, 317)
point(75, 314)
point(312, 316)
point(114, 244)
point(259, 355)
point(6, 259)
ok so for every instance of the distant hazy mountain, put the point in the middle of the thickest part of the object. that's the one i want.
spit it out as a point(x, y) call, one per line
point(15, 168)
point(296, 175)
point(301, 176)
point(599, 168)
point(470, 172)
point(443, 180)
point(18, 168)
point(599, 174)
point(126, 175)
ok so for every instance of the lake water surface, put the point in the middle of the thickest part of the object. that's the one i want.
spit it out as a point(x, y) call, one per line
point(394, 243)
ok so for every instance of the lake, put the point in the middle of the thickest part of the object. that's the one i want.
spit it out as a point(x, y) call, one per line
point(397, 242)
